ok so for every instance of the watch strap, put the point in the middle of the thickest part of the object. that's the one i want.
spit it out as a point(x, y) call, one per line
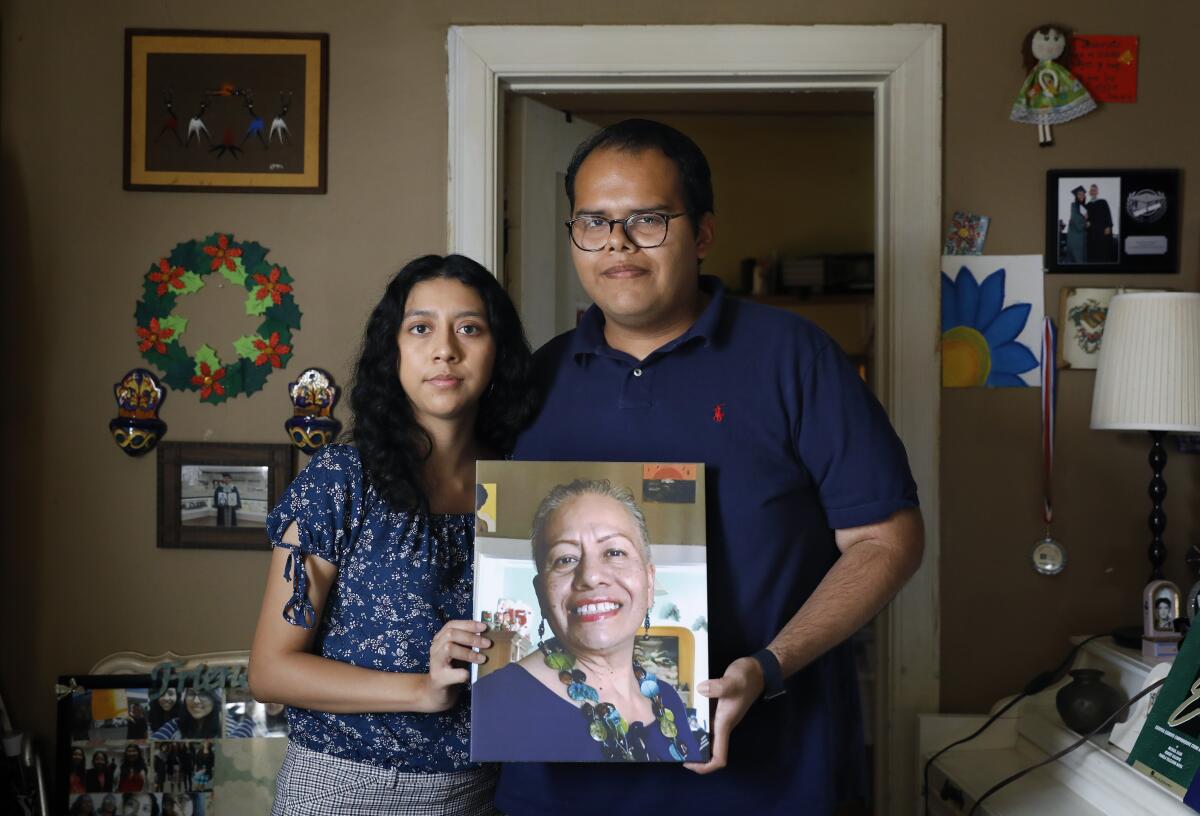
point(772, 673)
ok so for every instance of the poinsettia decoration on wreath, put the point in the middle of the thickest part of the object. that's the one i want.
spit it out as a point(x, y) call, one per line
point(269, 290)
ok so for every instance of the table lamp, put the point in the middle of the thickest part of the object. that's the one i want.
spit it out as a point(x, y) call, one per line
point(1148, 379)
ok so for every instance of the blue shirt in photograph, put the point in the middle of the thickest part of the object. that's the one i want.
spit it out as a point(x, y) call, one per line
point(795, 446)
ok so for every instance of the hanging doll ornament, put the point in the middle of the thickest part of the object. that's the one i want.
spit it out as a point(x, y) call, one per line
point(1051, 94)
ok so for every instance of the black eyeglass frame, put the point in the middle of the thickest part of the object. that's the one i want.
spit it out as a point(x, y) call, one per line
point(624, 222)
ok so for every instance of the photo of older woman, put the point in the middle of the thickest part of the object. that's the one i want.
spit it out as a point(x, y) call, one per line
point(581, 695)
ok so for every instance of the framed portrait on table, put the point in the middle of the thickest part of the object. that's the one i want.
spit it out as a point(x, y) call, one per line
point(225, 111)
point(592, 578)
point(217, 496)
point(165, 738)
point(1119, 221)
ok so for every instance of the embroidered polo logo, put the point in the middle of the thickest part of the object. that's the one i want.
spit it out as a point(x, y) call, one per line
point(718, 414)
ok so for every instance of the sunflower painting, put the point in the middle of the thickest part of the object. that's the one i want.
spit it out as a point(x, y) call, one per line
point(991, 317)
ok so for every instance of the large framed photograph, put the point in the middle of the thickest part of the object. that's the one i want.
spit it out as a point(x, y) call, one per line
point(592, 578)
point(213, 495)
point(225, 111)
point(1120, 221)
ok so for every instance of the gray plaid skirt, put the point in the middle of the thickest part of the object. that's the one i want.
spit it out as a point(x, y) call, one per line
point(311, 782)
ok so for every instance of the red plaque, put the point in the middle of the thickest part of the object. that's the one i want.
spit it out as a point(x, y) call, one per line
point(1106, 65)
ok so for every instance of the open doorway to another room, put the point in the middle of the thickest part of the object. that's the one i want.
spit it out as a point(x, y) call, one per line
point(795, 190)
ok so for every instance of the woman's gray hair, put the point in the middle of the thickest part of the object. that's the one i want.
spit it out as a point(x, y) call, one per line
point(563, 493)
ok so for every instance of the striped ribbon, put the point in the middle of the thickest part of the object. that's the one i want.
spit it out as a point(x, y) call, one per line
point(1049, 400)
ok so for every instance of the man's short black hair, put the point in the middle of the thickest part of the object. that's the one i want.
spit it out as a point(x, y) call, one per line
point(637, 135)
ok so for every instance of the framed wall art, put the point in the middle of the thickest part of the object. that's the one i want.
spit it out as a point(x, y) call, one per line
point(1081, 316)
point(1120, 221)
point(217, 496)
point(225, 111)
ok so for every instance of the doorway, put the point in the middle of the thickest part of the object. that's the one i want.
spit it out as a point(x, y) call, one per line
point(900, 67)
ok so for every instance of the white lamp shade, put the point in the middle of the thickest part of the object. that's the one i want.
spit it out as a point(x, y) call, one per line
point(1148, 374)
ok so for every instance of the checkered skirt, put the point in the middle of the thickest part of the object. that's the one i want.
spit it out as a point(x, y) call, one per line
point(311, 782)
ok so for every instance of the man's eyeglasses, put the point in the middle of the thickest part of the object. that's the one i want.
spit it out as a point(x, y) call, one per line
point(644, 230)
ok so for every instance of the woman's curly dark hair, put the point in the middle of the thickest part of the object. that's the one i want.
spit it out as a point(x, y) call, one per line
point(390, 442)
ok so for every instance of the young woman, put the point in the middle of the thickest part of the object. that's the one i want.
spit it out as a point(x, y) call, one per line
point(132, 778)
point(374, 545)
point(77, 775)
point(200, 718)
point(164, 708)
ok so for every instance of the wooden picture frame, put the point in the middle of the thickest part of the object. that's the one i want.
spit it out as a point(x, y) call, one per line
point(1128, 221)
point(217, 495)
point(218, 111)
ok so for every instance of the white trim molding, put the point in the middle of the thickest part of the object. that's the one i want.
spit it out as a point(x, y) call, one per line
point(902, 66)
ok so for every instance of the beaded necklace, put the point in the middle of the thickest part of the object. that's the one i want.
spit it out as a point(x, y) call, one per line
point(605, 724)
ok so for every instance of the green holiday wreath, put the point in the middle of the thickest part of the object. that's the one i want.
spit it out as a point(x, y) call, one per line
point(183, 272)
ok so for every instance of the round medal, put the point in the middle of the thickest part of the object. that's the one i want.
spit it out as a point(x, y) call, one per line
point(1049, 556)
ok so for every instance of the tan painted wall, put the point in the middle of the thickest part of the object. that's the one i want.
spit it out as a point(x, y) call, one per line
point(80, 576)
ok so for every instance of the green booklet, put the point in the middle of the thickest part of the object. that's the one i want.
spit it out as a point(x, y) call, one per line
point(1168, 749)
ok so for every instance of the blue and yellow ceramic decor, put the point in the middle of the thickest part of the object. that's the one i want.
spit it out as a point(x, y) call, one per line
point(312, 425)
point(136, 429)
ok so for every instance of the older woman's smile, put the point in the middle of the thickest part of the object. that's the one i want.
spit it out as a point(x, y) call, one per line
point(596, 610)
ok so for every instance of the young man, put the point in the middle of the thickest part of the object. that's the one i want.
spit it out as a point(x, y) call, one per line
point(812, 519)
point(1100, 245)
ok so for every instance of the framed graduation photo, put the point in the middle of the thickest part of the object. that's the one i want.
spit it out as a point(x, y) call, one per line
point(217, 496)
point(1118, 221)
point(592, 578)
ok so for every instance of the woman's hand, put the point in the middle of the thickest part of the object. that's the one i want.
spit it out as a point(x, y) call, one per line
point(453, 646)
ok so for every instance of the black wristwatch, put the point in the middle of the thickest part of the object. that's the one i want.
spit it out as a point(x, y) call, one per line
point(772, 673)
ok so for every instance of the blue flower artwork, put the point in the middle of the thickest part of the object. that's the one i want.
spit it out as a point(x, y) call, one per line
point(988, 336)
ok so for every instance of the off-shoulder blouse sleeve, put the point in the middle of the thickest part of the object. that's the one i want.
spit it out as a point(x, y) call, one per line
point(326, 503)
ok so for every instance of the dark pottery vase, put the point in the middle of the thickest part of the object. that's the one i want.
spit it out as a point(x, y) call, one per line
point(1087, 701)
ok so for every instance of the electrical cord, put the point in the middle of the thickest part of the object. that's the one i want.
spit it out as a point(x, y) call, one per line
point(1039, 683)
point(1009, 780)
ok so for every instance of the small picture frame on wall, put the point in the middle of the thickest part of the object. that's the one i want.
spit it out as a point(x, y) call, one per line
point(1118, 221)
point(1081, 315)
point(218, 495)
point(215, 111)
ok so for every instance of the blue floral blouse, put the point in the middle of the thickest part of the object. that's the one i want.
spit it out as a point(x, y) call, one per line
point(401, 576)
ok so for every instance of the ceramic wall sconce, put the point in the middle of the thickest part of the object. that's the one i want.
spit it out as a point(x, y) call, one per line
point(312, 425)
point(136, 429)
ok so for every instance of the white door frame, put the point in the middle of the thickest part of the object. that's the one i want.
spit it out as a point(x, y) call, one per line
point(902, 66)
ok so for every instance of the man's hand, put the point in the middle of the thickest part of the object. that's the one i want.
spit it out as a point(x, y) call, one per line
point(734, 693)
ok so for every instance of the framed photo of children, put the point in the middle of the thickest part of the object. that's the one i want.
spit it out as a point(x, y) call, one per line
point(1119, 221)
point(225, 111)
point(217, 496)
point(587, 570)
point(188, 742)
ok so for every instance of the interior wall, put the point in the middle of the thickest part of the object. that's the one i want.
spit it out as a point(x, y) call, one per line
point(784, 185)
point(81, 576)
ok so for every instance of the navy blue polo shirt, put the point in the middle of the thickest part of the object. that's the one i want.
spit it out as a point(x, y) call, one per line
point(794, 447)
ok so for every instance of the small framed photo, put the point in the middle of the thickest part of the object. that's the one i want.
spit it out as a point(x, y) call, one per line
point(225, 111)
point(217, 496)
point(1120, 221)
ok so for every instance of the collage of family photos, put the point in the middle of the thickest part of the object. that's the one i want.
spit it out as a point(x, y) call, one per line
point(169, 751)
